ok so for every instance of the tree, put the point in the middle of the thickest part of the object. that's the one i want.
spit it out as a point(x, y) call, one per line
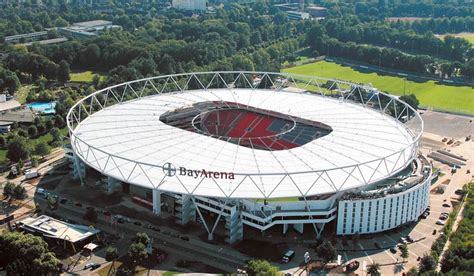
point(412, 272)
point(137, 252)
point(56, 134)
point(404, 251)
point(427, 263)
point(32, 131)
point(373, 269)
point(90, 55)
point(411, 100)
point(326, 251)
point(8, 189)
point(18, 149)
point(19, 192)
point(111, 254)
point(63, 71)
point(20, 254)
point(8, 81)
point(58, 121)
point(142, 238)
point(261, 267)
point(42, 149)
point(52, 202)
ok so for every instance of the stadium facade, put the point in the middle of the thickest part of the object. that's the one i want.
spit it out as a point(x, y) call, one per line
point(257, 149)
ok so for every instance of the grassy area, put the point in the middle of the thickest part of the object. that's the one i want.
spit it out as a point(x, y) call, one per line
point(3, 155)
point(468, 36)
point(85, 76)
point(22, 93)
point(429, 93)
point(170, 273)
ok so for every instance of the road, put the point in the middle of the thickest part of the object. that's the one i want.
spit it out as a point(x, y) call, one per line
point(191, 250)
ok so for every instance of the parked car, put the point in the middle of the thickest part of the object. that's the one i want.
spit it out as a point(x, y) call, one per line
point(288, 256)
point(156, 229)
point(185, 238)
point(459, 192)
point(409, 239)
point(403, 240)
point(95, 266)
point(393, 249)
point(137, 223)
point(440, 222)
point(446, 205)
point(377, 245)
point(89, 265)
point(443, 217)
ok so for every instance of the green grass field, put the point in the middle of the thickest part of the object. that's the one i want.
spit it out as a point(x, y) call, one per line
point(85, 76)
point(468, 36)
point(429, 93)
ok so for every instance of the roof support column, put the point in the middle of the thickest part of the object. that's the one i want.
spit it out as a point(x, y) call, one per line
point(156, 201)
point(79, 169)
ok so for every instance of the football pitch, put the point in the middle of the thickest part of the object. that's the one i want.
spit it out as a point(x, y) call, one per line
point(431, 94)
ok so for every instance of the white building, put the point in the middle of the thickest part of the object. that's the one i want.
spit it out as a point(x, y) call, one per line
point(192, 5)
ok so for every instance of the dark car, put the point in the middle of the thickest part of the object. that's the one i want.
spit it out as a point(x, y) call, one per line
point(137, 223)
point(63, 201)
point(459, 192)
point(154, 228)
point(185, 238)
point(166, 232)
point(95, 266)
point(377, 245)
point(78, 204)
point(393, 249)
point(409, 239)
point(446, 205)
point(174, 235)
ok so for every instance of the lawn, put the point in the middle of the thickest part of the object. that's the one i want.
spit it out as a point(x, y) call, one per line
point(85, 76)
point(468, 36)
point(429, 93)
point(22, 93)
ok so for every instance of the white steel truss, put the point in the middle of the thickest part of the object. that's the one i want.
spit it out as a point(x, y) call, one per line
point(128, 170)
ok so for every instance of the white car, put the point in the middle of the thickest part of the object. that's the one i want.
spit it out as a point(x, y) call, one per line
point(440, 222)
point(89, 265)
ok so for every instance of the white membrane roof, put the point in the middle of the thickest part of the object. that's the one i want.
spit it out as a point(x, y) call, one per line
point(129, 142)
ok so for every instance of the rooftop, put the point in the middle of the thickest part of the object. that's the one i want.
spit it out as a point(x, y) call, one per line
point(53, 228)
point(92, 24)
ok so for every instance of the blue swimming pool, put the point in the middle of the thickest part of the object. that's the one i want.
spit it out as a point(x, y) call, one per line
point(44, 108)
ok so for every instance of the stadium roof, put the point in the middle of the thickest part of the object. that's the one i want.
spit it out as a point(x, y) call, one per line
point(129, 142)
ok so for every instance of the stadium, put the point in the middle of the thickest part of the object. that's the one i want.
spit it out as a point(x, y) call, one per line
point(257, 149)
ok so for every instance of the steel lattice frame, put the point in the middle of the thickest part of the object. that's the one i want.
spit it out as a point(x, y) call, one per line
point(362, 95)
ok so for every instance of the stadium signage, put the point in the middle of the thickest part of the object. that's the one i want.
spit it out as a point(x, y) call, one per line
point(170, 170)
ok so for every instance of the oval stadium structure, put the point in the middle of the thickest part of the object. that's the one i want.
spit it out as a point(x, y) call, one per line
point(257, 149)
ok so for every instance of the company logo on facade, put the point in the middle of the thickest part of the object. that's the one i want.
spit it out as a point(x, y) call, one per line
point(170, 170)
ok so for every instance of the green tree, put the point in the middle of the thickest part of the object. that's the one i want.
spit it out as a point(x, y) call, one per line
point(137, 252)
point(111, 254)
point(411, 100)
point(326, 251)
point(427, 263)
point(56, 134)
point(20, 254)
point(8, 81)
point(64, 71)
point(261, 267)
point(32, 131)
point(412, 272)
point(42, 149)
point(19, 192)
point(8, 189)
point(52, 202)
point(404, 251)
point(142, 238)
point(373, 269)
point(18, 149)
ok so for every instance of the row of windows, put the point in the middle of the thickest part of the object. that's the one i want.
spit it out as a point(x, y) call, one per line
point(392, 211)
